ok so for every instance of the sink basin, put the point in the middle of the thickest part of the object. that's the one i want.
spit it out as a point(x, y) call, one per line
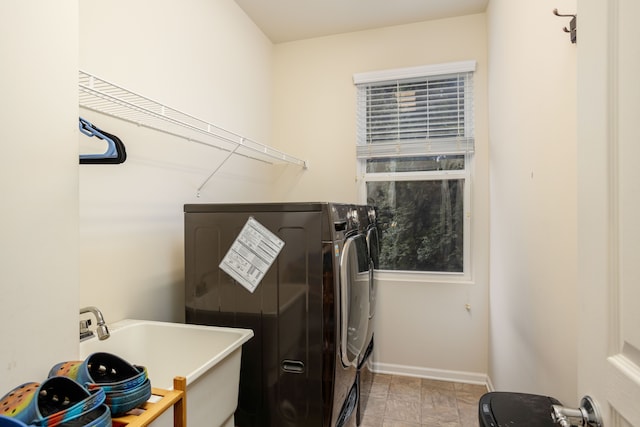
point(207, 356)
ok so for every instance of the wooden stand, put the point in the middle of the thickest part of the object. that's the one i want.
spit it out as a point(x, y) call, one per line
point(144, 415)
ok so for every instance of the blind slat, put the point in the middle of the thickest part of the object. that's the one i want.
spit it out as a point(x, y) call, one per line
point(416, 148)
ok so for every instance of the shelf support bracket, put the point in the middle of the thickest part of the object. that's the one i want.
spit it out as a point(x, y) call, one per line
point(231, 153)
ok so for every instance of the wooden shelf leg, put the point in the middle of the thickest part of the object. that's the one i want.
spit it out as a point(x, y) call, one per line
point(180, 407)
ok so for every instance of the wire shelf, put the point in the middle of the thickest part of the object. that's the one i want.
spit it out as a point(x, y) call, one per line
point(100, 95)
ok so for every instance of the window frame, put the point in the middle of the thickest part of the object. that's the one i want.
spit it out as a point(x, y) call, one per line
point(465, 174)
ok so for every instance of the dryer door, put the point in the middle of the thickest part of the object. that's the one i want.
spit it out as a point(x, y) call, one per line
point(373, 243)
point(374, 253)
point(354, 298)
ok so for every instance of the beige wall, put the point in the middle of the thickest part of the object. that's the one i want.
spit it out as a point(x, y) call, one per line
point(211, 61)
point(39, 189)
point(532, 127)
point(422, 328)
point(207, 59)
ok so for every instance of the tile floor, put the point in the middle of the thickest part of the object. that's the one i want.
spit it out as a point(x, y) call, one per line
point(399, 401)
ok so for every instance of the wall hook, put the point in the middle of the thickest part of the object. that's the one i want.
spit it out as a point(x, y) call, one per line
point(572, 25)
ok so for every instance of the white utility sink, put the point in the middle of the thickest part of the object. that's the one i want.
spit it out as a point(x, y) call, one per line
point(207, 356)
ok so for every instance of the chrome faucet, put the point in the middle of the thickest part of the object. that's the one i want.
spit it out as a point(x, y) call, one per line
point(587, 415)
point(101, 327)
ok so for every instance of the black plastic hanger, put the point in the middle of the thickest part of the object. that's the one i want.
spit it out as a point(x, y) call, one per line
point(116, 152)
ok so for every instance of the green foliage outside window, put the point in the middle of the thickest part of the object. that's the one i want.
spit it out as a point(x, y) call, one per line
point(421, 224)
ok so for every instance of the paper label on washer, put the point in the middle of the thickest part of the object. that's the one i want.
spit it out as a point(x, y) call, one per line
point(251, 255)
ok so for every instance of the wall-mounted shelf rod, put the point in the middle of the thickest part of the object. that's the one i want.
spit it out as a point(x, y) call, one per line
point(105, 97)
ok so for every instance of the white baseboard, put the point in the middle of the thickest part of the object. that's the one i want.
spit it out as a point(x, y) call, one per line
point(490, 384)
point(434, 374)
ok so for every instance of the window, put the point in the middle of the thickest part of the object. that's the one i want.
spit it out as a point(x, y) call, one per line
point(415, 147)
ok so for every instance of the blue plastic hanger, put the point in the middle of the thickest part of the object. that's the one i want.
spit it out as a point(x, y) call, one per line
point(115, 153)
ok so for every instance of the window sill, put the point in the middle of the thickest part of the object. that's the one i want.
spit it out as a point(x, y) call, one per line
point(422, 277)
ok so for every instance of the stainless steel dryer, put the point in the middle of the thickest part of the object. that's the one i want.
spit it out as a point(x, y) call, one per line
point(309, 313)
point(368, 226)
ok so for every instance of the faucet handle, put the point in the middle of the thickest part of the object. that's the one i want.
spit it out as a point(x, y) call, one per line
point(85, 332)
point(84, 325)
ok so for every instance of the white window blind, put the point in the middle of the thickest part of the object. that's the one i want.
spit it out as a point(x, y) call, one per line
point(416, 111)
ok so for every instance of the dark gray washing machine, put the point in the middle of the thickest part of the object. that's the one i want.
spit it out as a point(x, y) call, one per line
point(309, 313)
